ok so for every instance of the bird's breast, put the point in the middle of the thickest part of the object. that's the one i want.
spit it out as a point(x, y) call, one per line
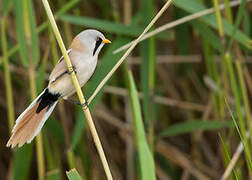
point(85, 68)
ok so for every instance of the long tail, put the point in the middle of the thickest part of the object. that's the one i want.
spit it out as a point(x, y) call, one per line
point(30, 122)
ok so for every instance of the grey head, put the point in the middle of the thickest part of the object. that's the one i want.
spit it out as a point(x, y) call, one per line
point(93, 41)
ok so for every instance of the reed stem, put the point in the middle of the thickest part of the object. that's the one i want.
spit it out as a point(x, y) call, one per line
point(7, 76)
point(244, 94)
point(33, 90)
point(218, 18)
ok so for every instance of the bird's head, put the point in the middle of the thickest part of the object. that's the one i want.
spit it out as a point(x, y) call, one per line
point(91, 41)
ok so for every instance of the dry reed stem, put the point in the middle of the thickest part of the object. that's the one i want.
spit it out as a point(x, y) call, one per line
point(159, 99)
point(219, 20)
point(233, 161)
point(163, 9)
point(7, 75)
point(78, 90)
point(176, 23)
point(166, 59)
point(102, 112)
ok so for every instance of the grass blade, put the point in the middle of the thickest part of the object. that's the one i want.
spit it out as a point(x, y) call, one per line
point(148, 71)
point(242, 137)
point(145, 157)
point(208, 35)
point(103, 25)
point(108, 26)
point(73, 175)
point(195, 125)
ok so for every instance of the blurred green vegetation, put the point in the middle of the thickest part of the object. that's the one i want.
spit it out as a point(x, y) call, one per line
point(178, 108)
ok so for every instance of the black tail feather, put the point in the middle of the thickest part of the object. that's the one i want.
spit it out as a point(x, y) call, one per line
point(46, 100)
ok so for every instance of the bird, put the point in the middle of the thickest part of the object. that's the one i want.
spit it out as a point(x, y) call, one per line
point(83, 53)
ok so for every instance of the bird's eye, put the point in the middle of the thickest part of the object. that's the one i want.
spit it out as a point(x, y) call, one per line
point(98, 39)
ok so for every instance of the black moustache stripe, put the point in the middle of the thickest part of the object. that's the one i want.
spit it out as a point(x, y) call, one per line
point(97, 44)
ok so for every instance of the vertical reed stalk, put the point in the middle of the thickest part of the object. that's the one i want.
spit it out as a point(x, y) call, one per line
point(238, 108)
point(224, 74)
point(39, 139)
point(238, 64)
point(218, 17)
point(78, 90)
point(212, 71)
point(228, 12)
point(130, 174)
point(66, 27)
point(33, 90)
point(7, 76)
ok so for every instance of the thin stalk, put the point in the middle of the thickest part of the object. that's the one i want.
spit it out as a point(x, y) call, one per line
point(148, 73)
point(243, 139)
point(228, 12)
point(70, 158)
point(33, 90)
point(53, 44)
point(224, 70)
point(226, 154)
point(244, 94)
point(218, 17)
point(67, 28)
point(125, 55)
point(212, 71)
point(7, 76)
point(78, 90)
point(238, 109)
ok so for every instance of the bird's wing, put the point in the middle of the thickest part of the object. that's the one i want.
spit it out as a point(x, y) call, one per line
point(60, 69)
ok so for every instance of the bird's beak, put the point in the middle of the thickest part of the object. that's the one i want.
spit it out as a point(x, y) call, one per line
point(105, 41)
